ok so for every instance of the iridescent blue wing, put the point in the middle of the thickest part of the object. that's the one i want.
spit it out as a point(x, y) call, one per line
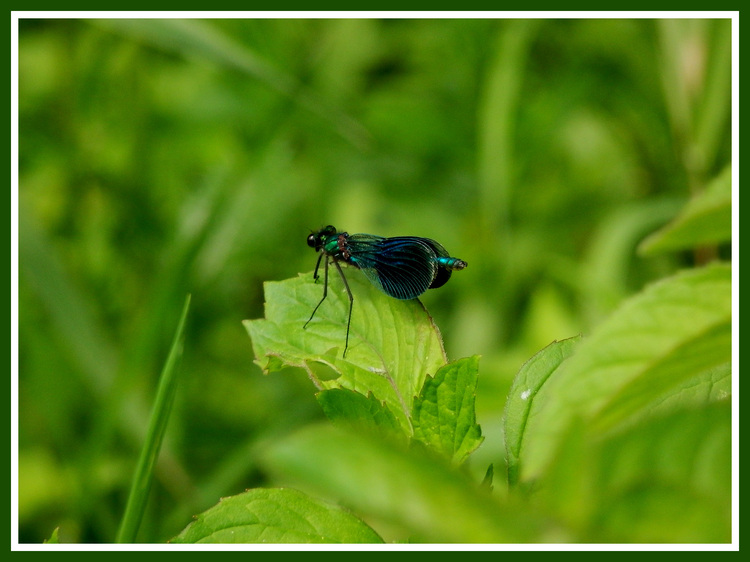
point(442, 274)
point(403, 267)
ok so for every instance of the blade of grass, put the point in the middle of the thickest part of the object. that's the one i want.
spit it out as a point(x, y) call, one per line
point(157, 426)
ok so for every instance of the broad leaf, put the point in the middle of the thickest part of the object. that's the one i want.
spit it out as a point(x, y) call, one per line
point(527, 383)
point(674, 332)
point(673, 474)
point(663, 479)
point(410, 491)
point(393, 344)
point(276, 516)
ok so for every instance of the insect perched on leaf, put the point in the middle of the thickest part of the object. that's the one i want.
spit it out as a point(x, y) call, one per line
point(402, 267)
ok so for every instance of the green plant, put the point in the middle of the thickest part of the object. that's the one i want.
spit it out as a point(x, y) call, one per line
point(159, 158)
point(632, 423)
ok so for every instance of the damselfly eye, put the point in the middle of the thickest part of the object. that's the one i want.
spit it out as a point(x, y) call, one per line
point(311, 241)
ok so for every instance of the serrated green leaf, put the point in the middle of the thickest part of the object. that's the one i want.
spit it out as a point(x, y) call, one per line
point(526, 384)
point(406, 489)
point(276, 516)
point(392, 343)
point(673, 332)
point(356, 410)
point(444, 417)
point(706, 219)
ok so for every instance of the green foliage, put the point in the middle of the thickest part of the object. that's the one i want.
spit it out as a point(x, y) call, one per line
point(653, 351)
point(706, 219)
point(578, 165)
point(350, 408)
point(393, 380)
point(529, 380)
point(163, 402)
point(392, 345)
point(444, 416)
point(276, 516)
point(411, 491)
point(632, 423)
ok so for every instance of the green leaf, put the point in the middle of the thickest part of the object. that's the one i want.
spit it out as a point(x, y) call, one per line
point(276, 516)
point(669, 479)
point(393, 344)
point(696, 361)
point(706, 219)
point(366, 412)
point(444, 416)
point(526, 384)
point(675, 331)
point(663, 479)
point(406, 489)
point(708, 386)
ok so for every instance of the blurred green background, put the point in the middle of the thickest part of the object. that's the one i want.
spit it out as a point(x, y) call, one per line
point(164, 157)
